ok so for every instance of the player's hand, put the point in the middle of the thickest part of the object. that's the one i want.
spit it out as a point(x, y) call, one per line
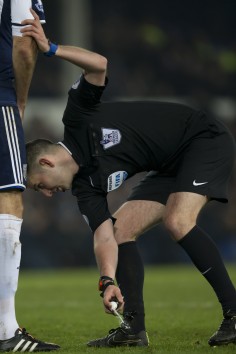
point(112, 293)
point(34, 29)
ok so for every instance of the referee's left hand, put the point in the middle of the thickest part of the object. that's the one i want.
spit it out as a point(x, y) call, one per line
point(34, 29)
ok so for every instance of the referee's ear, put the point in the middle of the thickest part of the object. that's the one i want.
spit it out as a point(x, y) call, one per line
point(46, 162)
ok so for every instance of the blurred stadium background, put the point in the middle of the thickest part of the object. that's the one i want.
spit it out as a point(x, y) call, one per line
point(168, 50)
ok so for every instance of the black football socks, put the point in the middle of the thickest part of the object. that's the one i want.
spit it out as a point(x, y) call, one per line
point(130, 278)
point(205, 255)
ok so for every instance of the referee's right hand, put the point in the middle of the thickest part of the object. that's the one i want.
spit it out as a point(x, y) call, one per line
point(112, 292)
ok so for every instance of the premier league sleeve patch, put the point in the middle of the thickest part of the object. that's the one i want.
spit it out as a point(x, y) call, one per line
point(116, 179)
point(110, 137)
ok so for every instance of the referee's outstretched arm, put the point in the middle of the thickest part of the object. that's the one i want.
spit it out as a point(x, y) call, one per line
point(93, 64)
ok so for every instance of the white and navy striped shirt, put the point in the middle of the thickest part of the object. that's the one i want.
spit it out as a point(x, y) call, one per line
point(12, 13)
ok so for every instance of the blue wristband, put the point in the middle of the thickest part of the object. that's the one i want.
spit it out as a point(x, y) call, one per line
point(52, 49)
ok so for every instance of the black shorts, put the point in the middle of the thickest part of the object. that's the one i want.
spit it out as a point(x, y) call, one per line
point(204, 167)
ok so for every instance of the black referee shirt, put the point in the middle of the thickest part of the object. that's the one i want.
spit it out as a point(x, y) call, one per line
point(113, 141)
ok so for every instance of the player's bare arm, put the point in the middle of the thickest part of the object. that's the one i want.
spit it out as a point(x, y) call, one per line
point(24, 57)
point(93, 64)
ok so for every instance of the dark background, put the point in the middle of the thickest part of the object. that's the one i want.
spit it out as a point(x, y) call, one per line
point(182, 51)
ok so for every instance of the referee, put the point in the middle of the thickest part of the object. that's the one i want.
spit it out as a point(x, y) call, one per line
point(189, 158)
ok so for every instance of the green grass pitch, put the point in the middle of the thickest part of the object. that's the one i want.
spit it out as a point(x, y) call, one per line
point(63, 306)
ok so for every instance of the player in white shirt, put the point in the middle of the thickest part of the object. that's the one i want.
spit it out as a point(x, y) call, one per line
point(17, 62)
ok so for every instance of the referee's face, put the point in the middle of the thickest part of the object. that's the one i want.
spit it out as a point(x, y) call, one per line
point(49, 181)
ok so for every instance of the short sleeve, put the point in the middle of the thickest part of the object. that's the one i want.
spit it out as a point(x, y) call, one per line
point(92, 203)
point(20, 10)
point(84, 94)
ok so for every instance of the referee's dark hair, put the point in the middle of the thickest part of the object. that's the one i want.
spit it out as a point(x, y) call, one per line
point(34, 149)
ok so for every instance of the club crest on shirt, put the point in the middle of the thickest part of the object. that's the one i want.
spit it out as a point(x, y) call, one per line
point(116, 179)
point(39, 5)
point(111, 137)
